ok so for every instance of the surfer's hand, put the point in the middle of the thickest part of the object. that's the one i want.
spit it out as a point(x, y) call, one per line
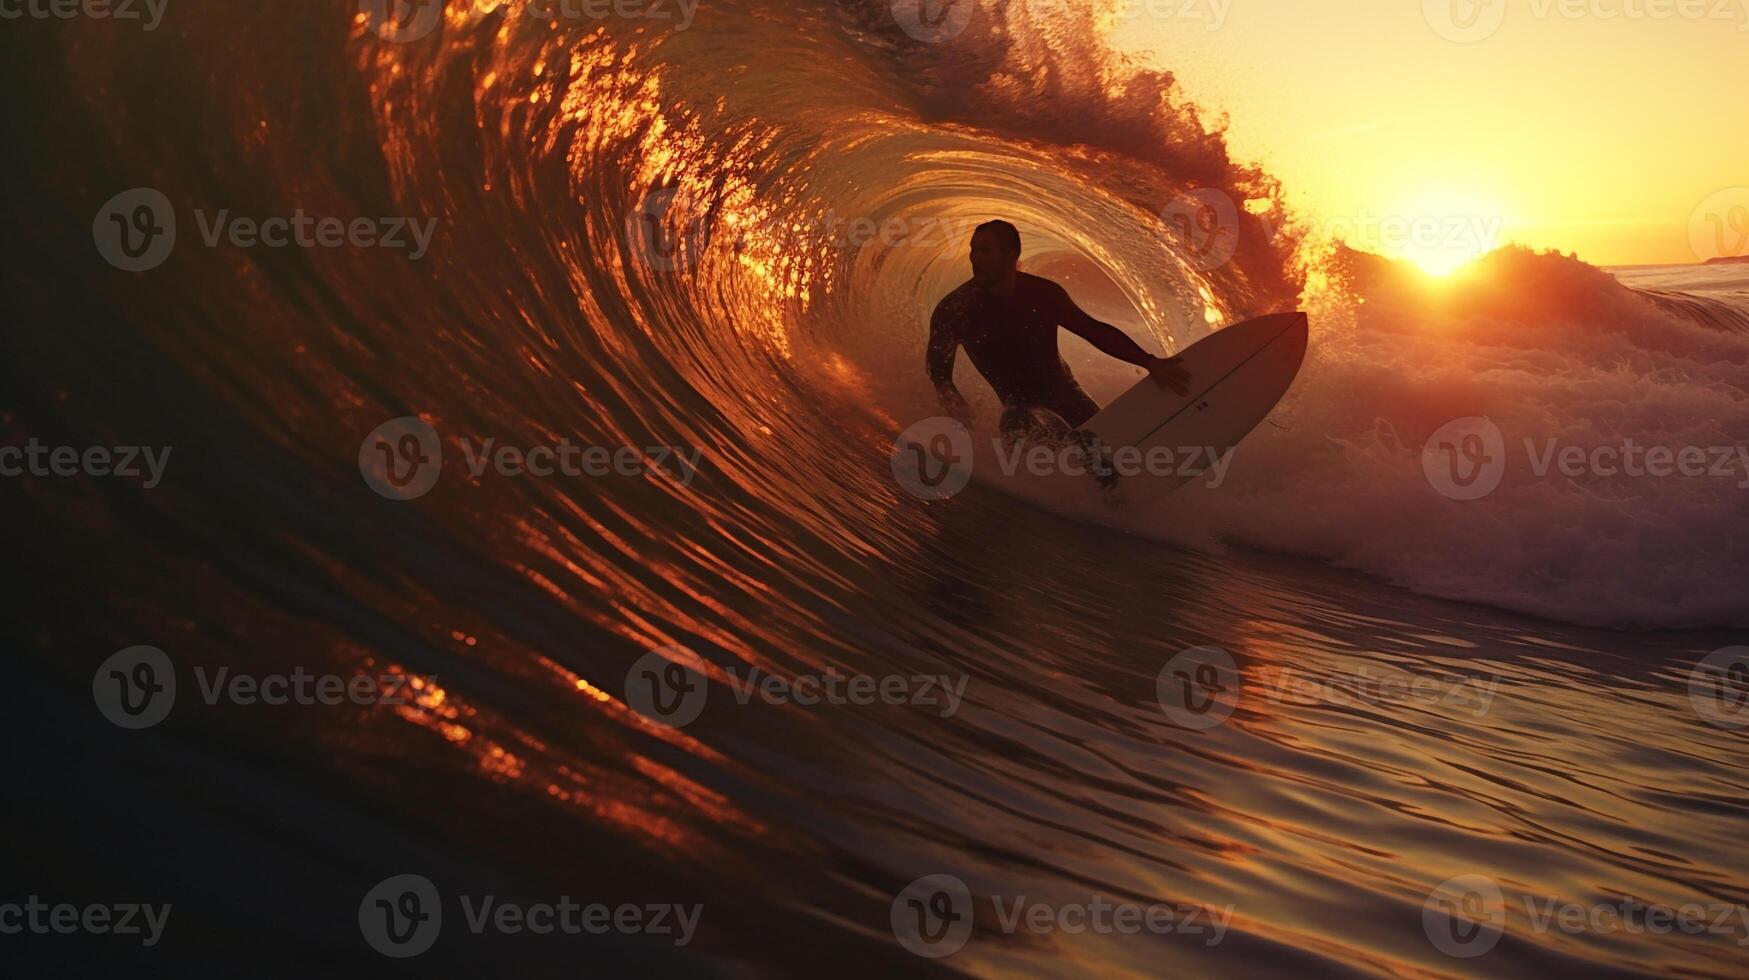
point(1171, 372)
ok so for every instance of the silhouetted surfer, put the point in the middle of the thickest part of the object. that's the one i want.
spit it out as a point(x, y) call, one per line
point(1007, 321)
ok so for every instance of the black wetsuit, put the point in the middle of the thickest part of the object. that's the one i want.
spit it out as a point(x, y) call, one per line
point(1012, 341)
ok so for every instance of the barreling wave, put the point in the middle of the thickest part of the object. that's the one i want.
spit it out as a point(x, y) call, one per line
point(727, 239)
point(646, 238)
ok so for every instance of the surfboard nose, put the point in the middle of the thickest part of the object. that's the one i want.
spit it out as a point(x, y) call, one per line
point(1298, 320)
point(1300, 330)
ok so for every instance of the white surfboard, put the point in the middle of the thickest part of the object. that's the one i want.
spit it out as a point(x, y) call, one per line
point(1237, 375)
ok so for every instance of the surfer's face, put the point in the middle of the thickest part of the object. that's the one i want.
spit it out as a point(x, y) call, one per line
point(992, 261)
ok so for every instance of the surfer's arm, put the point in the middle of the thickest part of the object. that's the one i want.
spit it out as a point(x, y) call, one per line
point(944, 346)
point(1106, 338)
point(1113, 342)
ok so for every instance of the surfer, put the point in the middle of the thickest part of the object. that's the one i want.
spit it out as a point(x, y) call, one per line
point(1007, 321)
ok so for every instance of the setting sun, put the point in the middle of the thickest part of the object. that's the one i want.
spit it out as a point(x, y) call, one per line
point(1377, 118)
point(1438, 260)
point(1448, 229)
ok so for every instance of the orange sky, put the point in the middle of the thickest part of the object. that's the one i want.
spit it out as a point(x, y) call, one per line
point(1589, 133)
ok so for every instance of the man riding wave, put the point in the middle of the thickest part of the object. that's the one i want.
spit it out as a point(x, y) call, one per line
point(1007, 321)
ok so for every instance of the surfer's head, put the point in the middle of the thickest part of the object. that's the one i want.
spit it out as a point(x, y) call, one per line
point(995, 252)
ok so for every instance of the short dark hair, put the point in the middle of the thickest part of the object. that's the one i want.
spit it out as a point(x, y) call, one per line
point(1009, 234)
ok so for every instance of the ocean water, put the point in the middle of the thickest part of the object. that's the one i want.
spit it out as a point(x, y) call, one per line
point(659, 238)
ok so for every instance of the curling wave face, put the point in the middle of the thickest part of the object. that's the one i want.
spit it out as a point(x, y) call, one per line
point(648, 238)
